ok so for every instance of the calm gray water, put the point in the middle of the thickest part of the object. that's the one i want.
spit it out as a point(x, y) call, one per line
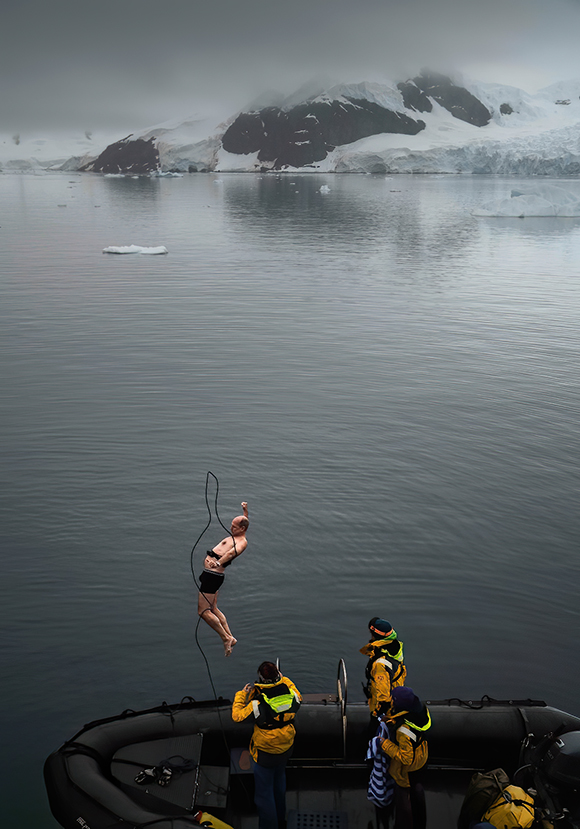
point(392, 385)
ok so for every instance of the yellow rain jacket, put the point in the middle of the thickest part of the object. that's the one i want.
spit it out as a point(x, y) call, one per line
point(271, 740)
point(409, 752)
point(384, 672)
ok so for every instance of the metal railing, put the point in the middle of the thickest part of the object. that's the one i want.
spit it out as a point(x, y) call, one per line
point(342, 694)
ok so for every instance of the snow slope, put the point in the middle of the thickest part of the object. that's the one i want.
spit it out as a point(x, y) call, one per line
point(190, 143)
point(35, 152)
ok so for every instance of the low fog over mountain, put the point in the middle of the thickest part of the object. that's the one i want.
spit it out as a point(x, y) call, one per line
point(429, 123)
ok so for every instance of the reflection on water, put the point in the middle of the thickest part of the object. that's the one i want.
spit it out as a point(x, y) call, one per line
point(389, 382)
point(418, 218)
point(358, 210)
point(542, 227)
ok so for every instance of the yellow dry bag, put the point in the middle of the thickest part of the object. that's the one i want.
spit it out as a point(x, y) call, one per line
point(205, 819)
point(513, 809)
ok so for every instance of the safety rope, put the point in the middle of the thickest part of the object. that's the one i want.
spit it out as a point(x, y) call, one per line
point(203, 532)
point(207, 480)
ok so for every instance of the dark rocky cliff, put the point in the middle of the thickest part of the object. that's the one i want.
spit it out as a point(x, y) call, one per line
point(455, 99)
point(126, 156)
point(307, 133)
point(414, 98)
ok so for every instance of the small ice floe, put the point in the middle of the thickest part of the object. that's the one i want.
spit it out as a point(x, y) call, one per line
point(136, 249)
point(164, 174)
point(114, 175)
point(324, 188)
point(218, 181)
point(539, 200)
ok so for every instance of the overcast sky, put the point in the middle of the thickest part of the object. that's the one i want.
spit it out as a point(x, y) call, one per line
point(129, 64)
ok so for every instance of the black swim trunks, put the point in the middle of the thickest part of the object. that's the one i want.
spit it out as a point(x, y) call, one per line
point(210, 582)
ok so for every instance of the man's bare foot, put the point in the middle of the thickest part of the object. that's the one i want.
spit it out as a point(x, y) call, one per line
point(228, 646)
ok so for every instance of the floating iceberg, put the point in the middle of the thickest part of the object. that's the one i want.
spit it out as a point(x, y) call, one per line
point(538, 200)
point(136, 249)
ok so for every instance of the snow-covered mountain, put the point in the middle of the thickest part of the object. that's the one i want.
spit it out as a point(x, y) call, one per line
point(29, 152)
point(428, 124)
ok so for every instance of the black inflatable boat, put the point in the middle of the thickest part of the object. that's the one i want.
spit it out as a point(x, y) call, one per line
point(98, 779)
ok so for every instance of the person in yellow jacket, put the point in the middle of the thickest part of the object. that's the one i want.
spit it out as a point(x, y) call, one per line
point(408, 750)
point(272, 703)
point(385, 669)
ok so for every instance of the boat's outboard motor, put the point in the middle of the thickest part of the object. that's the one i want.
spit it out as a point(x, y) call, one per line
point(555, 767)
point(561, 762)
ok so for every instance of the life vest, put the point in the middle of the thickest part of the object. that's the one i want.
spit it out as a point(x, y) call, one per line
point(392, 664)
point(409, 750)
point(416, 733)
point(272, 703)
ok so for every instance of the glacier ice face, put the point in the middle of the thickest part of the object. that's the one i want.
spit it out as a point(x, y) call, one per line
point(553, 153)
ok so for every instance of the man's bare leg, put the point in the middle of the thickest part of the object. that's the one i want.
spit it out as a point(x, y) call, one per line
point(206, 608)
point(222, 617)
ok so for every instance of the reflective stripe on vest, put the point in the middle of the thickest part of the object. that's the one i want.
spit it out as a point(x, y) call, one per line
point(410, 730)
point(270, 711)
point(399, 655)
point(392, 663)
point(420, 727)
point(415, 732)
point(281, 703)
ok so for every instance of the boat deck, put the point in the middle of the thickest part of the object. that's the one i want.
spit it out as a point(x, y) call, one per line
point(337, 799)
point(93, 774)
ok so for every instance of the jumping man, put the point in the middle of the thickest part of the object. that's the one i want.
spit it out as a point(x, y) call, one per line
point(212, 577)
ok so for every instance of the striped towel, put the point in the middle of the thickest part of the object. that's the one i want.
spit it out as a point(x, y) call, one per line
point(381, 788)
